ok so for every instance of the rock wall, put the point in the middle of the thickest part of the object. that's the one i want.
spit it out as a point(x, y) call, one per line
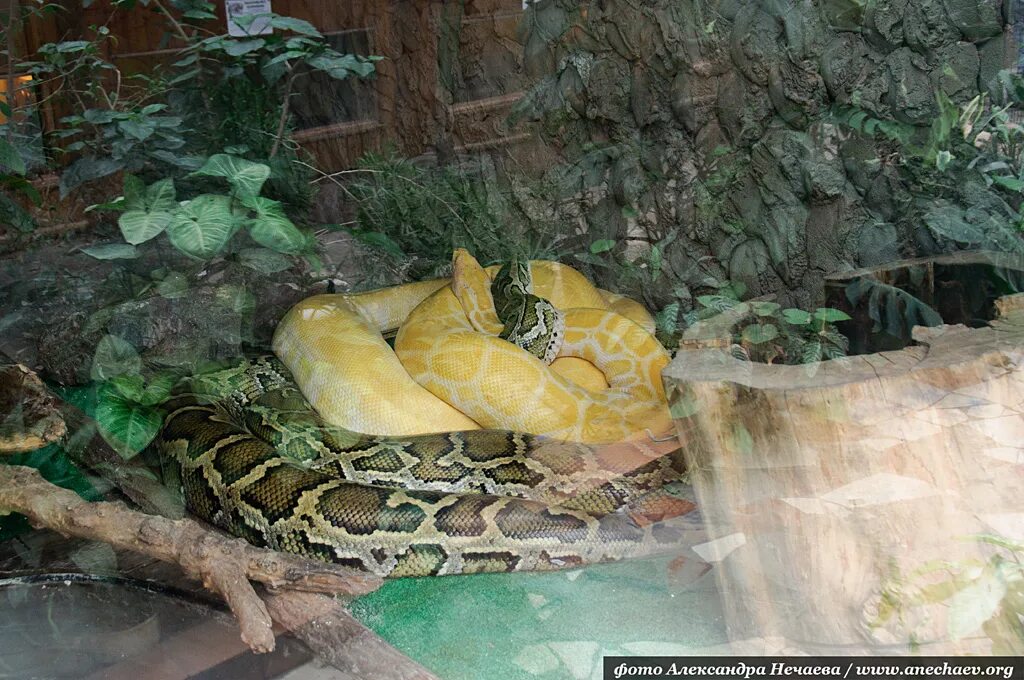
point(713, 118)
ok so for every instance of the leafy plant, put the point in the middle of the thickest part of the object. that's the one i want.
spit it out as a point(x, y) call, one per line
point(965, 173)
point(421, 214)
point(863, 121)
point(13, 183)
point(765, 332)
point(893, 310)
point(163, 122)
point(202, 226)
point(127, 404)
point(643, 271)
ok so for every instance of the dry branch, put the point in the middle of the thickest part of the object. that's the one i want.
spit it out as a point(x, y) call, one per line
point(225, 565)
point(339, 639)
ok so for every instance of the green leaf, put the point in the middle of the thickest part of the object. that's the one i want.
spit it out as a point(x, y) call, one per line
point(263, 260)
point(341, 66)
point(796, 317)
point(10, 158)
point(19, 184)
point(130, 386)
point(264, 207)
point(112, 251)
point(654, 260)
point(203, 226)
point(764, 308)
point(161, 195)
point(238, 48)
point(811, 353)
point(158, 390)
point(295, 25)
point(942, 160)
point(245, 176)
point(137, 129)
point(72, 46)
point(13, 214)
point(718, 303)
point(666, 319)
point(1011, 183)
point(134, 192)
point(602, 246)
point(758, 334)
point(188, 162)
point(278, 233)
point(114, 357)
point(99, 116)
point(138, 226)
point(829, 315)
point(87, 169)
point(128, 427)
point(174, 285)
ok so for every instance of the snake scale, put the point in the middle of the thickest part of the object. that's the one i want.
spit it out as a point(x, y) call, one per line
point(256, 459)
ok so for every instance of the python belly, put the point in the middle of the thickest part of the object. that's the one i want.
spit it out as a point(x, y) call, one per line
point(510, 428)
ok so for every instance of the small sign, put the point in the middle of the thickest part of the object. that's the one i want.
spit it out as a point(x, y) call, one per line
point(245, 10)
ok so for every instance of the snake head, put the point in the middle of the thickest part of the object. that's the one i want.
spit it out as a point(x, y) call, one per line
point(472, 287)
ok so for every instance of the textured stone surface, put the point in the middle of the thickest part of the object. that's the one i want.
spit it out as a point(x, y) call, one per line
point(734, 97)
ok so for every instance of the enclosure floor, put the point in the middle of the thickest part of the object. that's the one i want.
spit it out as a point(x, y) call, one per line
point(547, 625)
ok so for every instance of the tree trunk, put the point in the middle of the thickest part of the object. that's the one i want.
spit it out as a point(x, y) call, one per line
point(824, 485)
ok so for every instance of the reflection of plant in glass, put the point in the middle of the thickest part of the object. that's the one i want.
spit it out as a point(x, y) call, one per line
point(769, 334)
point(893, 310)
point(965, 173)
point(986, 596)
point(762, 330)
point(127, 405)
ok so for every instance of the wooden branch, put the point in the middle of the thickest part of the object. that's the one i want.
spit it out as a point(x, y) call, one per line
point(225, 565)
point(339, 639)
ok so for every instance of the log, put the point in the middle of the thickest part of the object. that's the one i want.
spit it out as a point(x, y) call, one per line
point(225, 565)
point(825, 485)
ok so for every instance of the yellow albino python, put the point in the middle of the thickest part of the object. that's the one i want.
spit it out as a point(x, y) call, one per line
point(258, 461)
point(449, 370)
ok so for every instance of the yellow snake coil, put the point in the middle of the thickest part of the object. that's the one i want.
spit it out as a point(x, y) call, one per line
point(449, 370)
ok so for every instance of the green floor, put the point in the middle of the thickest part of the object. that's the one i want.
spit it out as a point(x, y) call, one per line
point(548, 625)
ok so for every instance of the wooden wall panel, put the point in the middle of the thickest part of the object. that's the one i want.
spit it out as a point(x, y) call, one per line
point(412, 111)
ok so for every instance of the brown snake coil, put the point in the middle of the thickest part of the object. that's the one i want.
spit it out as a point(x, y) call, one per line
point(257, 461)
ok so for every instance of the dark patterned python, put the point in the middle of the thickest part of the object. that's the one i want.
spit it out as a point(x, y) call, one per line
point(530, 322)
point(256, 460)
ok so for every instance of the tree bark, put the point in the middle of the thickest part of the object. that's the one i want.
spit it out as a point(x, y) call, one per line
point(823, 484)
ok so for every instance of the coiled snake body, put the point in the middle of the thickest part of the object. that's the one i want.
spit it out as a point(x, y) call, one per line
point(256, 459)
